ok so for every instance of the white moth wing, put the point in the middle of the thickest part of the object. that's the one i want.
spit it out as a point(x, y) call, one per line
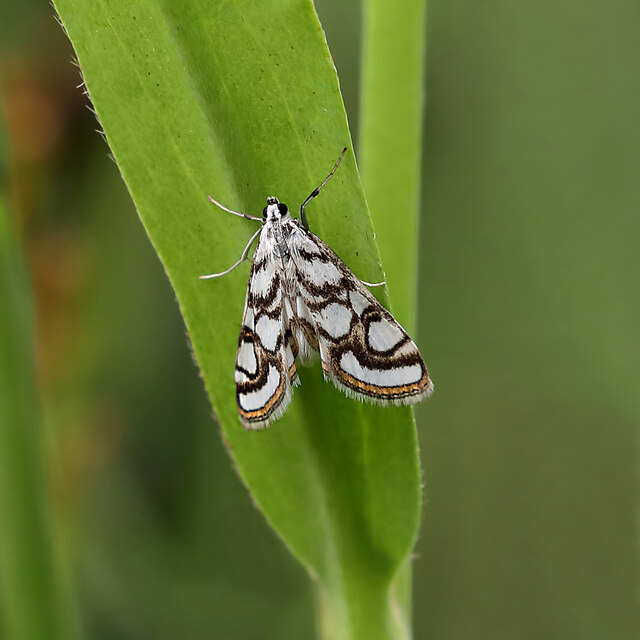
point(364, 350)
point(265, 364)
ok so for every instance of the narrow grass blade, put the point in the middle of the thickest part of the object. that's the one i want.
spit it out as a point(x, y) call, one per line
point(391, 138)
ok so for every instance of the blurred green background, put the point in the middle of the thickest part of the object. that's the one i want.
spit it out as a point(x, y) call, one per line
point(529, 322)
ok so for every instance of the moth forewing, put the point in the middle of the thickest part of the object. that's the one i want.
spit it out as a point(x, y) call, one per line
point(365, 352)
point(265, 366)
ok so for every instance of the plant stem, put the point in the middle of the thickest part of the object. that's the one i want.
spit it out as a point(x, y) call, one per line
point(363, 609)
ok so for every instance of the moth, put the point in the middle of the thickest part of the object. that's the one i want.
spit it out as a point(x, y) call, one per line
point(301, 301)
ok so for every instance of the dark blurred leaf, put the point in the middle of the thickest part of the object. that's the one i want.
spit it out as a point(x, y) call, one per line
point(32, 603)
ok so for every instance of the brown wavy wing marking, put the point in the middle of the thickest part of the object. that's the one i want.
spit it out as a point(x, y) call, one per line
point(364, 351)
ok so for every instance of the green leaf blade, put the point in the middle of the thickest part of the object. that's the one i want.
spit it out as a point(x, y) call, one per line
point(240, 100)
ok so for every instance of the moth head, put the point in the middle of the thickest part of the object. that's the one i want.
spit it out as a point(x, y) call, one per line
point(274, 210)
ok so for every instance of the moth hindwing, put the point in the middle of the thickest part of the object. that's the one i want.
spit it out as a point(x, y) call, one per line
point(301, 301)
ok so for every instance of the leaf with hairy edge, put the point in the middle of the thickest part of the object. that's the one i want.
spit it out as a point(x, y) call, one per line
point(240, 100)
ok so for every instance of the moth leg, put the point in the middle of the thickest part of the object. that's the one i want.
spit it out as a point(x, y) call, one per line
point(235, 213)
point(374, 284)
point(315, 192)
point(243, 257)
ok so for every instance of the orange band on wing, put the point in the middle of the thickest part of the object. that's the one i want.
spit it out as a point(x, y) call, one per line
point(264, 412)
point(384, 392)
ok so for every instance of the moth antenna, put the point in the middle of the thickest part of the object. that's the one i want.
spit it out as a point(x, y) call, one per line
point(316, 191)
point(235, 213)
